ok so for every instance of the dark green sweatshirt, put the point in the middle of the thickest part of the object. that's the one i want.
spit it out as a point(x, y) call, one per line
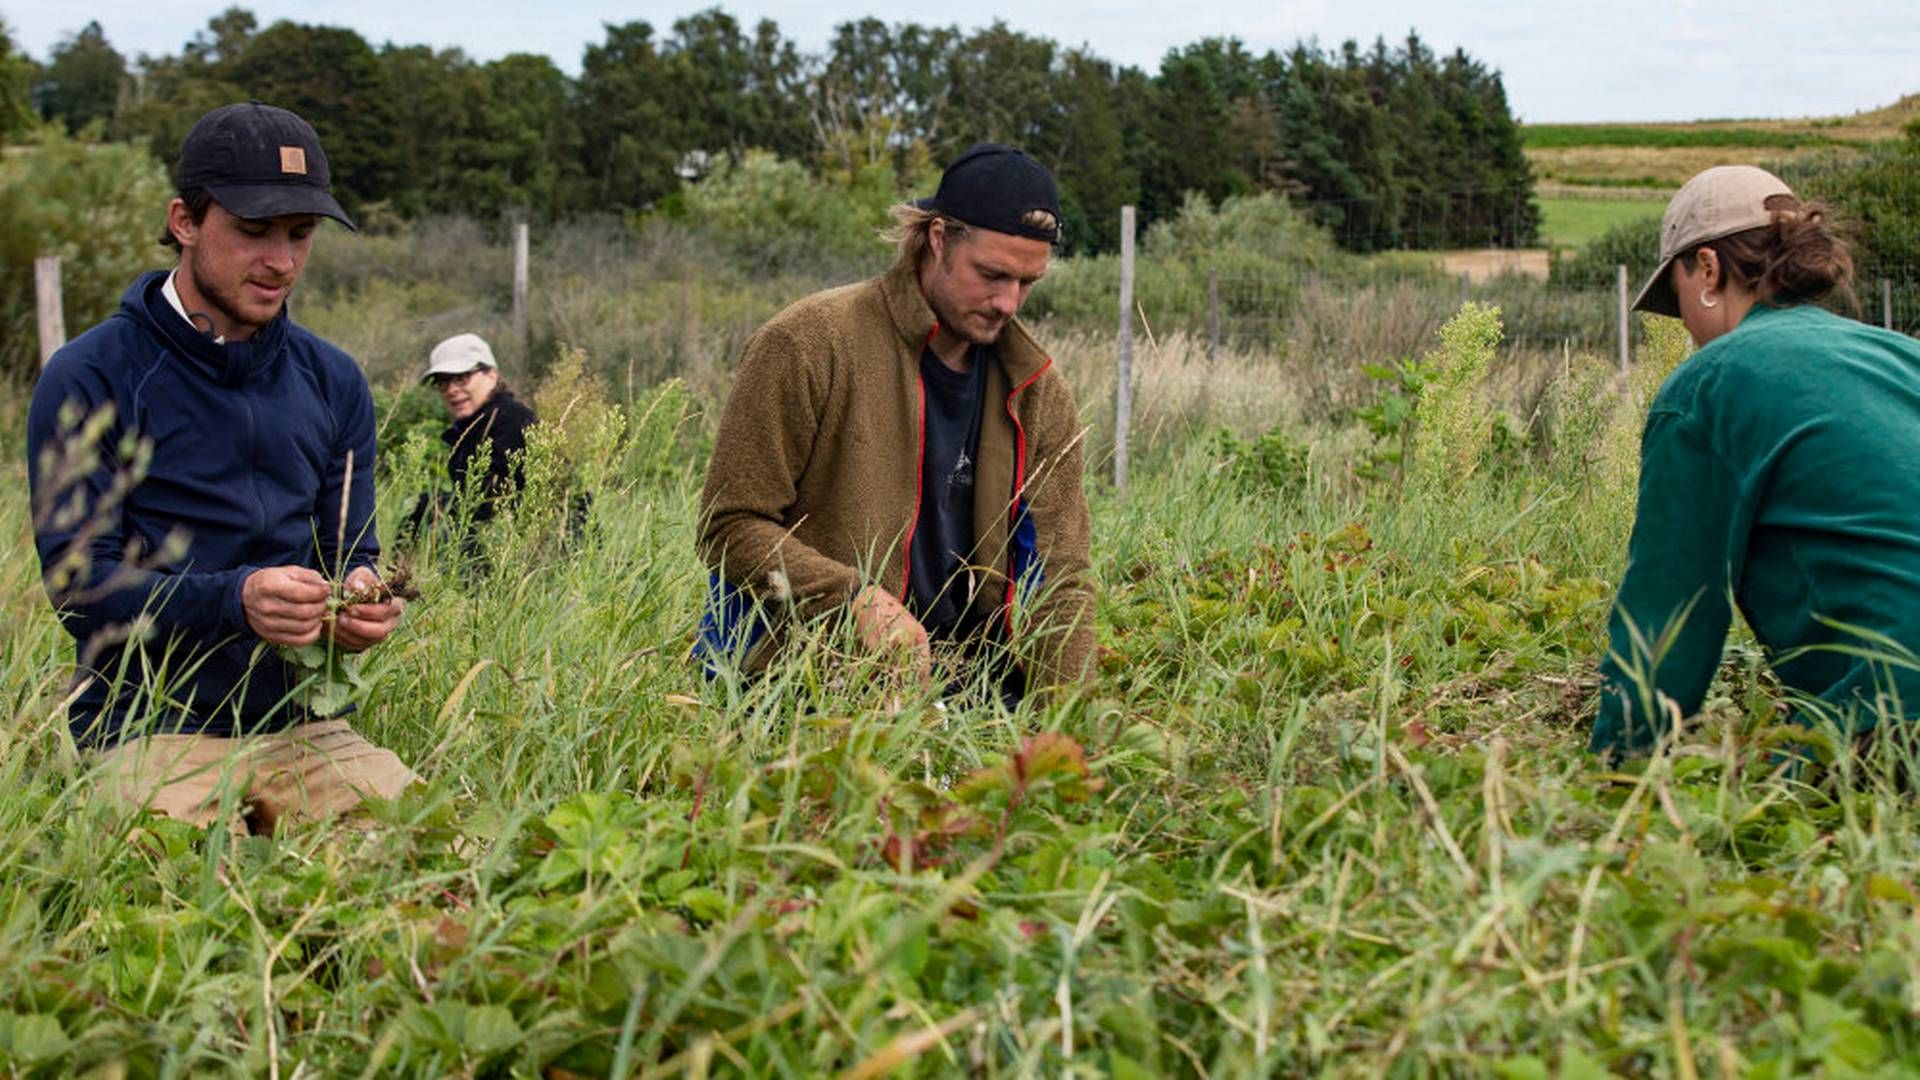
point(1780, 470)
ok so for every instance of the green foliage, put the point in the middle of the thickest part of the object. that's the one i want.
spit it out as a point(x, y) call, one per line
point(1329, 770)
point(1396, 147)
point(16, 83)
point(97, 207)
point(1252, 228)
point(1452, 428)
point(1877, 195)
point(1874, 193)
point(82, 81)
point(1390, 419)
point(1273, 464)
point(626, 142)
point(569, 459)
point(1634, 244)
point(1576, 222)
point(774, 214)
point(1392, 147)
point(1258, 237)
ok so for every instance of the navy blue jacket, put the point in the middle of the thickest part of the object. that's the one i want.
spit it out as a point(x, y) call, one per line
point(245, 448)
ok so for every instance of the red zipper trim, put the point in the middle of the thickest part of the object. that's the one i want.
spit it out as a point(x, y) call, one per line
point(1019, 484)
point(919, 476)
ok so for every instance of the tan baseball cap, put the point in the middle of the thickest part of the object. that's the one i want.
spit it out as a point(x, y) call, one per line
point(1721, 201)
point(458, 355)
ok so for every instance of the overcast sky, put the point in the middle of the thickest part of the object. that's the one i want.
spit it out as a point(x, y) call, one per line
point(1612, 60)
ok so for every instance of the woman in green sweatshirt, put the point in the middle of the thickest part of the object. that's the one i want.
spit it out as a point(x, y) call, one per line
point(1780, 471)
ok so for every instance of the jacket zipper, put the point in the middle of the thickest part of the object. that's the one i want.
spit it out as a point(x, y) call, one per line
point(253, 474)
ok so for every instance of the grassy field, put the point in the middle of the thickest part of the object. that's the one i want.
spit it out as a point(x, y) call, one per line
point(1662, 156)
point(1570, 221)
point(1560, 136)
point(1324, 808)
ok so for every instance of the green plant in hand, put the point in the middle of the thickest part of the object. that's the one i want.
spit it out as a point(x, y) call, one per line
point(331, 676)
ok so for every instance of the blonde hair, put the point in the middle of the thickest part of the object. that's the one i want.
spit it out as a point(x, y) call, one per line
point(910, 231)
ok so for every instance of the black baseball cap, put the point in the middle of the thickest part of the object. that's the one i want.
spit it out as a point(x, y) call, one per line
point(997, 187)
point(258, 161)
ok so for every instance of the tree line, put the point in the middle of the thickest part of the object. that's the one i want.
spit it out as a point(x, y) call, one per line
point(1388, 145)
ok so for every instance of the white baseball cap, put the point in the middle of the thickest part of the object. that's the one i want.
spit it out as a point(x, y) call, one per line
point(458, 355)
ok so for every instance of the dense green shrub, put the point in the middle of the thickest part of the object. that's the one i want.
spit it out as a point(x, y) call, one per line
point(1633, 243)
point(98, 207)
point(774, 214)
point(16, 79)
point(1878, 195)
point(1275, 463)
point(1247, 238)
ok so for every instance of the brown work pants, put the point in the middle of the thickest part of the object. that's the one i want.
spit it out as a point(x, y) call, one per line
point(301, 774)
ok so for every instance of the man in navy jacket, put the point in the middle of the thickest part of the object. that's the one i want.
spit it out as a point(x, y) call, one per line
point(201, 468)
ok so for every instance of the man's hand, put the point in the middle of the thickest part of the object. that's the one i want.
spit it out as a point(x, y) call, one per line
point(284, 604)
point(359, 626)
point(884, 624)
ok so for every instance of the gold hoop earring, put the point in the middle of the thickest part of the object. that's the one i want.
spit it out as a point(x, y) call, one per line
point(1706, 301)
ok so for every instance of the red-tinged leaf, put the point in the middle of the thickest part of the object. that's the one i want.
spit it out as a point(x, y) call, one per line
point(1052, 754)
point(450, 934)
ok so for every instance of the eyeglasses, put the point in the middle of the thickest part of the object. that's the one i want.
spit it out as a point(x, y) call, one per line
point(441, 382)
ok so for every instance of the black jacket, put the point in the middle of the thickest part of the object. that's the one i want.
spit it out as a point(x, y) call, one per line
point(250, 442)
point(502, 424)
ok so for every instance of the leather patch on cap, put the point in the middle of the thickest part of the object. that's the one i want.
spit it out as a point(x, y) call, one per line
point(293, 160)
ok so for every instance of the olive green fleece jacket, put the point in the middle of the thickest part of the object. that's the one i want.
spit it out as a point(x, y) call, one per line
point(814, 484)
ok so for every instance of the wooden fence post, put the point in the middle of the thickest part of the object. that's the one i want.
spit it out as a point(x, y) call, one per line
point(46, 303)
point(1620, 276)
point(1213, 311)
point(520, 289)
point(1886, 303)
point(1123, 389)
point(1466, 288)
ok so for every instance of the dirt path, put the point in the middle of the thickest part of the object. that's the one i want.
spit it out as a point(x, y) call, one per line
point(1481, 264)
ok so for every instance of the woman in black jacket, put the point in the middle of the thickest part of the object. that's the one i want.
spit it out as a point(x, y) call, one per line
point(482, 410)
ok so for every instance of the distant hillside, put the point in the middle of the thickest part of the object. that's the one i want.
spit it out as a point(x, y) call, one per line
point(1571, 159)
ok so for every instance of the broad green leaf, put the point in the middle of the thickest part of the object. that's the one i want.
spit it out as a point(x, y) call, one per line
point(33, 1040)
point(1523, 1068)
point(1883, 887)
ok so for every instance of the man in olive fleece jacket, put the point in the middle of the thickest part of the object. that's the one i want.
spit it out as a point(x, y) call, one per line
point(824, 483)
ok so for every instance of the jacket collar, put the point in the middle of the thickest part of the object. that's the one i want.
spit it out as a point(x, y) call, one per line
point(228, 364)
point(1019, 354)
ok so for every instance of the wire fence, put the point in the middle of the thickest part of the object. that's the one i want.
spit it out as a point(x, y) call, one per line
point(1396, 312)
point(1312, 312)
point(1434, 250)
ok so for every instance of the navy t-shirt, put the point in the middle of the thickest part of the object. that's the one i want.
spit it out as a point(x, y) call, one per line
point(939, 595)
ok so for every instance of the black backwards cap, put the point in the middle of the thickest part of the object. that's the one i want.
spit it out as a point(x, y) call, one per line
point(1001, 189)
point(258, 161)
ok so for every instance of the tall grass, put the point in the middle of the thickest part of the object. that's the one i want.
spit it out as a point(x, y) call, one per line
point(1323, 809)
